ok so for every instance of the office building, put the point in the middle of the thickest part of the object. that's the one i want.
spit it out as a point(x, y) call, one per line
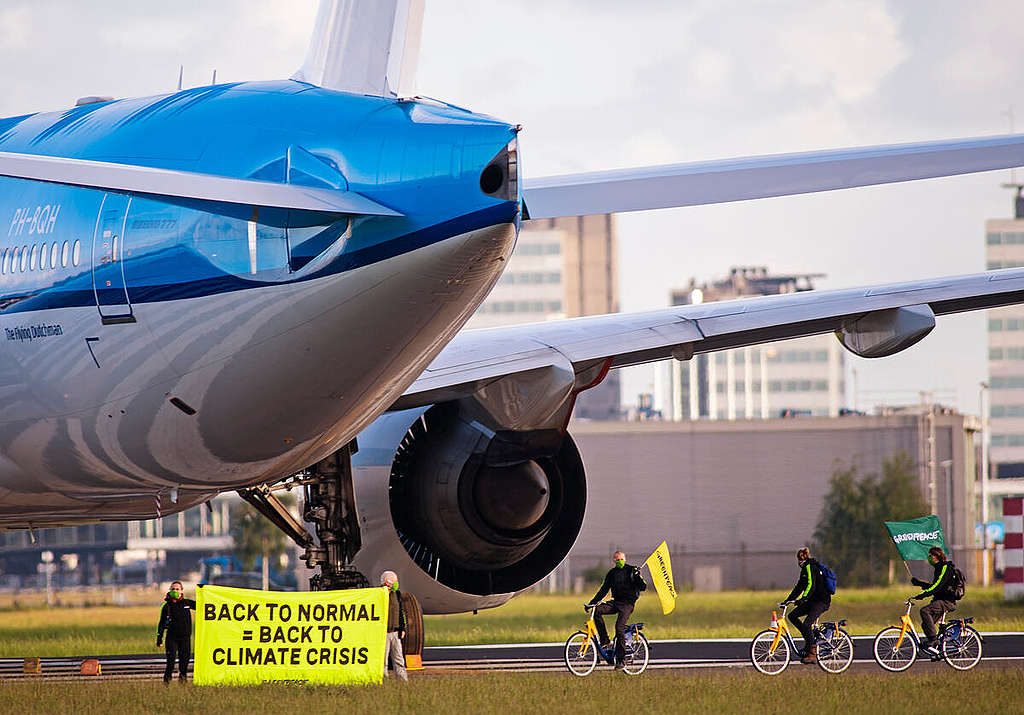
point(1004, 248)
point(793, 377)
point(561, 268)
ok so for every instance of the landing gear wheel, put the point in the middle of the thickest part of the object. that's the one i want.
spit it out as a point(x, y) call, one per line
point(412, 644)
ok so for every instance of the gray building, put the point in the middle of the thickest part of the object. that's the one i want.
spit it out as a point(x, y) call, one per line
point(803, 376)
point(561, 268)
point(735, 499)
point(1004, 248)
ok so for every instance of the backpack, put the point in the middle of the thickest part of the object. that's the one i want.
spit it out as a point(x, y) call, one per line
point(958, 584)
point(830, 578)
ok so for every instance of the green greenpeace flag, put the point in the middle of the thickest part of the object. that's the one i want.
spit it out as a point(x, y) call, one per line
point(914, 537)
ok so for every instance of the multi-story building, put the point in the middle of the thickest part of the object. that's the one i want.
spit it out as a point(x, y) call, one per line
point(1004, 248)
point(795, 377)
point(561, 268)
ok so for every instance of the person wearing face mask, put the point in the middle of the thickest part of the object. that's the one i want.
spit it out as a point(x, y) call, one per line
point(176, 622)
point(396, 626)
point(941, 591)
point(625, 583)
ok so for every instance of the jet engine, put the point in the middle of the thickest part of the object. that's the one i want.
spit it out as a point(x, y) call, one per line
point(466, 516)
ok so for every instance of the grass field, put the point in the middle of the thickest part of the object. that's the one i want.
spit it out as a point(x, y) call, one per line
point(101, 630)
point(979, 691)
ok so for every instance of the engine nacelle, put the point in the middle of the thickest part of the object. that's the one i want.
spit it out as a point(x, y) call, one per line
point(466, 516)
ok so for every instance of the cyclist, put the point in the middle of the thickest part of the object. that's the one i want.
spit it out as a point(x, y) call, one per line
point(941, 591)
point(812, 599)
point(625, 583)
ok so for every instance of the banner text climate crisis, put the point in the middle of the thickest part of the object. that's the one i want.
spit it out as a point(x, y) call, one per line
point(302, 634)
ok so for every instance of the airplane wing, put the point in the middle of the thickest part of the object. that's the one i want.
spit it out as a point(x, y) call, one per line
point(720, 181)
point(872, 322)
point(186, 185)
point(365, 47)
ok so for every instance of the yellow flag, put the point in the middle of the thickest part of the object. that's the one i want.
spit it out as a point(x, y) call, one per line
point(660, 567)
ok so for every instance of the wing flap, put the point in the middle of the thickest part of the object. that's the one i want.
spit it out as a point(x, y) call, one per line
point(712, 182)
point(151, 181)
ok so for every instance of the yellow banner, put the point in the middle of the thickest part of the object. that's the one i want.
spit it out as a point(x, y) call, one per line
point(660, 567)
point(245, 636)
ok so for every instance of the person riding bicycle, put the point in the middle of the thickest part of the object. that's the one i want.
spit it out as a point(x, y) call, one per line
point(625, 583)
point(812, 599)
point(943, 599)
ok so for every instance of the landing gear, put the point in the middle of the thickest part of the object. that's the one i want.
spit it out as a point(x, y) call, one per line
point(330, 506)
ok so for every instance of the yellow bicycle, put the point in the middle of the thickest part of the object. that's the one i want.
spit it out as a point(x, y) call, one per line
point(772, 649)
point(897, 647)
point(583, 648)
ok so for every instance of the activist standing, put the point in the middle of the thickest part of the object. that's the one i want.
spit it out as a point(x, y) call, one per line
point(812, 599)
point(625, 583)
point(941, 589)
point(396, 626)
point(176, 622)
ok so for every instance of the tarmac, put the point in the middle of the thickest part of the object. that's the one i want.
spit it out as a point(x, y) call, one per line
point(999, 650)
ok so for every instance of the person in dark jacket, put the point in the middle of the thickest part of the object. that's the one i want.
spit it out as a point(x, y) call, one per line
point(625, 583)
point(812, 599)
point(396, 626)
point(176, 623)
point(941, 591)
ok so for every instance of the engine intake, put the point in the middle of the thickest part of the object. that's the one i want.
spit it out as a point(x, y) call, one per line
point(485, 512)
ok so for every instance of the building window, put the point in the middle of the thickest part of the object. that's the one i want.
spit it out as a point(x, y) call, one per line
point(995, 353)
point(1007, 382)
point(992, 239)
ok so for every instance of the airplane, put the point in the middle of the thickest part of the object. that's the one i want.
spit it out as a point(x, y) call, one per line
point(256, 286)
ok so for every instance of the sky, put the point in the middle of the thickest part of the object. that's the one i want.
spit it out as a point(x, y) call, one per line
point(600, 84)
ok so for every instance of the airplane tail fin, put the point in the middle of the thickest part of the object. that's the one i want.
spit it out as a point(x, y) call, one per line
point(365, 46)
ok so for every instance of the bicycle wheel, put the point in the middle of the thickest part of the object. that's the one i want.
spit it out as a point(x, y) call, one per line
point(576, 660)
point(836, 655)
point(637, 655)
point(764, 658)
point(891, 656)
point(963, 653)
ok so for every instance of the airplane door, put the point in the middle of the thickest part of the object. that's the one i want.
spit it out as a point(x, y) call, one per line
point(107, 260)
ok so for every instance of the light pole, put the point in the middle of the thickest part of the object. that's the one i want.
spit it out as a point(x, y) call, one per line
point(984, 409)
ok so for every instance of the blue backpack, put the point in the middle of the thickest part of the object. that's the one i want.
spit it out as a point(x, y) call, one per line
point(831, 580)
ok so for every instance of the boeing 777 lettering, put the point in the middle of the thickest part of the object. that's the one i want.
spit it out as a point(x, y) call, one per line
point(261, 285)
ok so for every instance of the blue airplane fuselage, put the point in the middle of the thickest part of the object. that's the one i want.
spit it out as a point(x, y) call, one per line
point(151, 342)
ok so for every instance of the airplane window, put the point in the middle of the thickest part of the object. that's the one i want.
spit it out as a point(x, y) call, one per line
point(3, 262)
point(24, 258)
point(32, 258)
point(53, 254)
point(76, 252)
point(113, 251)
point(65, 249)
point(14, 265)
point(42, 257)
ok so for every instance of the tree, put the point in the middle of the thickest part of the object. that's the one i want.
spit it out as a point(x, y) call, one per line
point(850, 534)
point(254, 535)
